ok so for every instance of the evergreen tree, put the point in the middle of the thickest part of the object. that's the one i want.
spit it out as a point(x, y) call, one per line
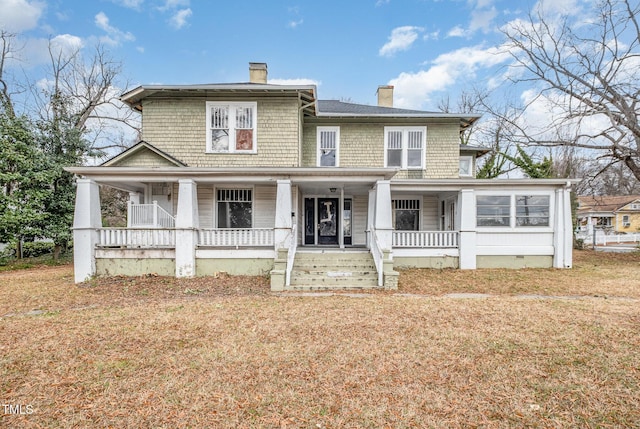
point(25, 181)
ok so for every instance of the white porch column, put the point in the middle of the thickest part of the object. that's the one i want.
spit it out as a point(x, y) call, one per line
point(383, 221)
point(371, 215)
point(187, 223)
point(468, 248)
point(563, 231)
point(86, 222)
point(568, 229)
point(283, 222)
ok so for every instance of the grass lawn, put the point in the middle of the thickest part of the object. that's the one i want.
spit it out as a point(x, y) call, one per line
point(225, 352)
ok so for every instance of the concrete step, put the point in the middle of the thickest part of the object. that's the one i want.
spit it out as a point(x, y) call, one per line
point(338, 270)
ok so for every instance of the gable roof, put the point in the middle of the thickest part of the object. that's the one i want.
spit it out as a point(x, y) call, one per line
point(604, 203)
point(139, 147)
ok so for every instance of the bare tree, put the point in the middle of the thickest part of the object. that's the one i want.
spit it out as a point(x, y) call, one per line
point(86, 89)
point(7, 52)
point(588, 74)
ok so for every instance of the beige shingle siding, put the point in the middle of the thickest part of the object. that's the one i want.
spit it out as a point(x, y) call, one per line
point(362, 145)
point(443, 151)
point(144, 158)
point(178, 127)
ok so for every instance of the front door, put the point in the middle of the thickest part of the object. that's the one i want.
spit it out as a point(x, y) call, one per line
point(328, 220)
point(321, 221)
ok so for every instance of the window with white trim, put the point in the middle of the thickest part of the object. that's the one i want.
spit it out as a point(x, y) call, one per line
point(231, 127)
point(625, 220)
point(406, 215)
point(532, 210)
point(328, 146)
point(493, 210)
point(466, 166)
point(635, 206)
point(513, 210)
point(234, 208)
point(404, 147)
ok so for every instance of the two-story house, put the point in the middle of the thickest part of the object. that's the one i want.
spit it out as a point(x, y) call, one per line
point(256, 178)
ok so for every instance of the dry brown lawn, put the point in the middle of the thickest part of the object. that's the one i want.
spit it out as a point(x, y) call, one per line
point(160, 352)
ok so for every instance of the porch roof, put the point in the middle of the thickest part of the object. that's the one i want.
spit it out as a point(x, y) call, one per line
point(131, 178)
point(443, 185)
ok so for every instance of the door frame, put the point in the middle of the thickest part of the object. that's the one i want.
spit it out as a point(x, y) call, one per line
point(342, 240)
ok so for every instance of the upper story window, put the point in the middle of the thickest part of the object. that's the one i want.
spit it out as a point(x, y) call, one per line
point(466, 164)
point(328, 146)
point(635, 206)
point(625, 220)
point(404, 147)
point(231, 127)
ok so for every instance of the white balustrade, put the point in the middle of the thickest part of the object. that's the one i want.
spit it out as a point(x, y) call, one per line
point(149, 215)
point(236, 237)
point(426, 239)
point(137, 238)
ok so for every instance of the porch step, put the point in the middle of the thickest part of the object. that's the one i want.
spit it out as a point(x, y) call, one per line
point(333, 270)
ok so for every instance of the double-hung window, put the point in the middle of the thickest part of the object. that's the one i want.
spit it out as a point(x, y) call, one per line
point(406, 215)
point(231, 127)
point(235, 208)
point(328, 146)
point(404, 147)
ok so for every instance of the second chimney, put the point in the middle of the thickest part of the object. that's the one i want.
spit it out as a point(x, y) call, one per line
point(385, 96)
point(258, 72)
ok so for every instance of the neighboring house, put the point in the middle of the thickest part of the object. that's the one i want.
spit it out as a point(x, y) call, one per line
point(255, 178)
point(612, 214)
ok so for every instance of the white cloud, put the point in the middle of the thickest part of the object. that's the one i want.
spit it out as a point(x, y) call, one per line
point(434, 35)
point(179, 19)
point(557, 7)
point(401, 39)
point(294, 24)
point(482, 19)
point(456, 31)
point(174, 4)
point(381, 2)
point(130, 4)
point(20, 15)
point(114, 35)
point(140, 49)
point(297, 81)
point(412, 90)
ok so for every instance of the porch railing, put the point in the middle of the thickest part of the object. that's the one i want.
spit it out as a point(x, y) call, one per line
point(426, 239)
point(291, 254)
point(148, 215)
point(137, 238)
point(377, 253)
point(236, 237)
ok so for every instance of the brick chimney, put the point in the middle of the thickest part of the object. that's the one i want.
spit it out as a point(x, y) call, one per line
point(258, 72)
point(385, 96)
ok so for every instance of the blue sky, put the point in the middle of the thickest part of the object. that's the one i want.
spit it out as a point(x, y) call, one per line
point(427, 49)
